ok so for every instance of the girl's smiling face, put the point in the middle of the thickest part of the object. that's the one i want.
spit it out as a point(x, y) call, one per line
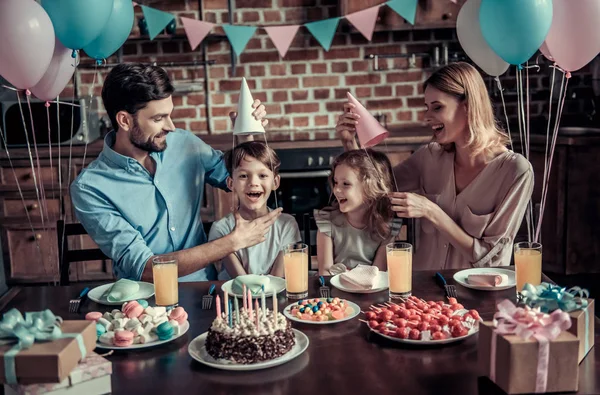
point(348, 189)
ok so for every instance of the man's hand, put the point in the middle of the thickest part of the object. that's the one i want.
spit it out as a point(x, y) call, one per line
point(250, 233)
point(259, 113)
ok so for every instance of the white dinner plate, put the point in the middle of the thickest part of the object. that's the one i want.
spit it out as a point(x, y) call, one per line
point(288, 314)
point(197, 350)
point(184, 328)
point(461, 278)
point(276, 284)
point(97, 294)
point(381, 284)
point(471, 332)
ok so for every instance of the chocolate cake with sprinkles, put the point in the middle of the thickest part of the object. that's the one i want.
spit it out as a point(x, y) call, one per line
point(254, 336)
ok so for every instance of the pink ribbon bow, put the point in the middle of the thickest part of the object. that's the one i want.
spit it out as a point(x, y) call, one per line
point(526, 323)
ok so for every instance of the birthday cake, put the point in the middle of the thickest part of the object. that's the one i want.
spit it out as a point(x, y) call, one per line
point(249, 339)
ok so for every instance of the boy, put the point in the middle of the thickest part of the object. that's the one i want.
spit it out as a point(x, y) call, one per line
point(254, 174)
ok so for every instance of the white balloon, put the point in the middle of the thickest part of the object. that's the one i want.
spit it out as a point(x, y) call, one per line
point(472, 41)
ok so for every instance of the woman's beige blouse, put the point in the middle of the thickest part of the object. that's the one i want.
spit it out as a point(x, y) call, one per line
point(490, 208)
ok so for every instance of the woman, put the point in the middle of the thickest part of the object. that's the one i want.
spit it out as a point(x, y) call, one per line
point(468, 190)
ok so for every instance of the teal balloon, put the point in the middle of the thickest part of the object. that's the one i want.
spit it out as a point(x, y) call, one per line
point(115, 32)
point(78, 22)
point(515, 29)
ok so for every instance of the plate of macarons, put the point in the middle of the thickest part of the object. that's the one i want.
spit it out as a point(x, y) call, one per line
point(138, 325)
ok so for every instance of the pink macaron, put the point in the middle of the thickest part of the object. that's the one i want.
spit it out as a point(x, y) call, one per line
point(133, 309)
point(93, 316)
point(123, 338)
point(178, 314)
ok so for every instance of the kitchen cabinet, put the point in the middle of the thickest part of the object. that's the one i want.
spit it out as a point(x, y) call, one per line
point(430, 14)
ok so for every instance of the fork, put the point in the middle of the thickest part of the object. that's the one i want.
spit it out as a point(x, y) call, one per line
point(74, 304)
point(208, 299)
point(450, 289)
point(324, 291)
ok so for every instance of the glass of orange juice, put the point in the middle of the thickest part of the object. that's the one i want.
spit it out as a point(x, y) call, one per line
point(164, 272)
point(528, 264)
point(295, 262)
point(399, 261)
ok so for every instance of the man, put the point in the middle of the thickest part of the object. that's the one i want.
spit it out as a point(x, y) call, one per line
point(141, 197)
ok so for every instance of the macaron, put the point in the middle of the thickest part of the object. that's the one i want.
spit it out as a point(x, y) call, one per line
point(178, 314)
point(100, 330)
point(143, 302)
point(123, 338)
point(164, 331)
point(93, 316)
point(133, 309)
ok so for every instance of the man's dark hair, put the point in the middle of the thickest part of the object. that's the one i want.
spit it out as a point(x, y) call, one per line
point(130, 86)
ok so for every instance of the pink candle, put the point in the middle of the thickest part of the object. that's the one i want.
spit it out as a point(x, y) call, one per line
point(274, 308)
point(244, 296)
point(257, 322)
point(218, 307)
point(250, 304)
point(226, 303)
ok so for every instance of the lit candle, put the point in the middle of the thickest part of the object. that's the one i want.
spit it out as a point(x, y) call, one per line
point(244, 296)
point(274, 308)
point(230, 315)
point(218, 307)
point(226, 303)
point(263, 303)
point(250, 305)
point(237, 311)
point(257, 320)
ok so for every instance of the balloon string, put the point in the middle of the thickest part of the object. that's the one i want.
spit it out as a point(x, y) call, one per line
point(273, 169)
point(519, 116)
point(50, 148)
point(523, 136)
point(505, 113)
point(86, 122)
point(544, 184)
point(560, 106)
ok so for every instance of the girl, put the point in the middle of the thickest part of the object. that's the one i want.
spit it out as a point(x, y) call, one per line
point(357, 227)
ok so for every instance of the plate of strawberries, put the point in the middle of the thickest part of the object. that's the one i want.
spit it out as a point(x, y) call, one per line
point(417, 321)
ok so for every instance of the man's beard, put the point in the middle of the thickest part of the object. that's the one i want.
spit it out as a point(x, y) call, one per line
point(137, 139)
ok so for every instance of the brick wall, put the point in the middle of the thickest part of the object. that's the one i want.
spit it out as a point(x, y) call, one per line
point(304, 92)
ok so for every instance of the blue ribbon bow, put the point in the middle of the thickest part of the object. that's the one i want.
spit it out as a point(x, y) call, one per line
point(35, 327)
point(549, 297)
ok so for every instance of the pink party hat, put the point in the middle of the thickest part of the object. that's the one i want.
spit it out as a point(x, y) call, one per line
point(369, 131)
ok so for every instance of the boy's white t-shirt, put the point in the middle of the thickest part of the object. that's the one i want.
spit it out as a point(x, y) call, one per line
point(258, 259)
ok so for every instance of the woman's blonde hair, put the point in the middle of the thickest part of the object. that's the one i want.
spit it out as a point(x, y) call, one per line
point(375, 174)
point(464, 82)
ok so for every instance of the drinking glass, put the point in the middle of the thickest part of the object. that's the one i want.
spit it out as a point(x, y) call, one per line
point(528, 264)
point(166, 287)
point(399, 262)
point(295, 262)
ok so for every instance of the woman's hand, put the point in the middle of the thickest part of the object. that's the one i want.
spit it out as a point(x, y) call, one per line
point(346, 127)
point(412, 205)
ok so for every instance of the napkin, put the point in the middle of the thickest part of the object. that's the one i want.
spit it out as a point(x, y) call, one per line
point(253, 282)
point(361, 277)
point(122, 290)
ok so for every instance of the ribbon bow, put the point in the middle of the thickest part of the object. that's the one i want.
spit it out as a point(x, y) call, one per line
point(526, 323)
point(39, 326)
point(548, 297)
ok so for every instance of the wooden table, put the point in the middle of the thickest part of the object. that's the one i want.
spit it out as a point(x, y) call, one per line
point(343, 358)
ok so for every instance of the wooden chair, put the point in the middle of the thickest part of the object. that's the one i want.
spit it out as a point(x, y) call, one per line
point(66, 256)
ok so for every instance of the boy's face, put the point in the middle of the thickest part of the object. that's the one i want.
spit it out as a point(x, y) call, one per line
point(252, 182)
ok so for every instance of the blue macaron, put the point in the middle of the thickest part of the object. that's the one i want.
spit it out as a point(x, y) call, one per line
point(100, 330)
point(164, 331)
point(143, 303)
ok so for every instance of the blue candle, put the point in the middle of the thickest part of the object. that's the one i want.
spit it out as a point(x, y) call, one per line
point(230, 324)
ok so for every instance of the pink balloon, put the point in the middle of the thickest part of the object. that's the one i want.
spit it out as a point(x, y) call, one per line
point(57, 76)
point(26, 42)
point(574, 37)
point(546, 52)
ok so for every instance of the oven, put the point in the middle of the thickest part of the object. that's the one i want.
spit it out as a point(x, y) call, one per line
point(304, 185)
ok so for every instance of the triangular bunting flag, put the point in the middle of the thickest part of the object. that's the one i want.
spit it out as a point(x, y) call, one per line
point(134, 3)
point(282, 37)
point(364, 21)
point(245, 123)
point(196, 30)
point(407, 9)
point(238, 36)
point(323, 31)
point(369, 131)
point(156, 20)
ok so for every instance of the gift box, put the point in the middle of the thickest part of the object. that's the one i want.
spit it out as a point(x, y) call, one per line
point(52, 356)
point(94, 371)
point(522, 356)
point(583, 327)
